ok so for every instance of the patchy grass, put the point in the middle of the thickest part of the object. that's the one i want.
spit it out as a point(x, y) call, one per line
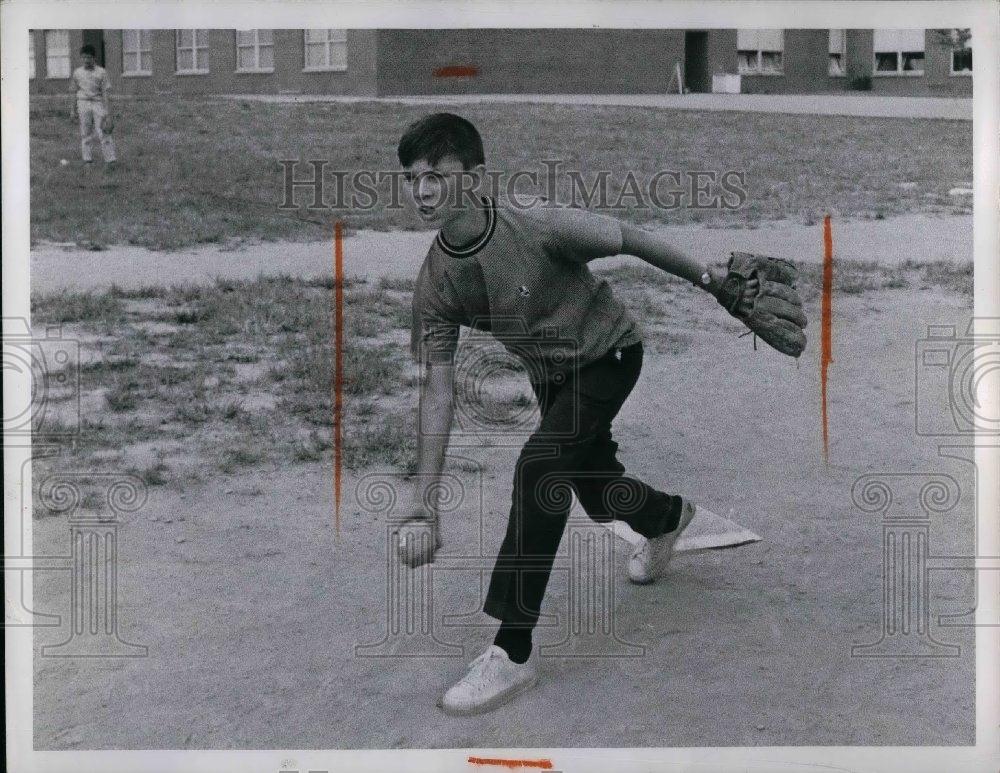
point(122, 396)
point(624, 277)
point(112, 432)
point(391, 440)
point(642, 302)
point(243, 456)
point(68, 306)
point(311, 448)
point(957, 277)
point(137, 293)
point(396, 283)
point(247, 378)
point(208, 170)
point(852, 277)
point(155, 474)
point(251, 382)
point(369, 310)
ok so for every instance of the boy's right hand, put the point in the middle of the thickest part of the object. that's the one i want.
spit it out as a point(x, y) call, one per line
point(418, 537)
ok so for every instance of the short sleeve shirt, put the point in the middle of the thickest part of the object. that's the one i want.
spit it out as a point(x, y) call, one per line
point(90, 84)
point(526, 280)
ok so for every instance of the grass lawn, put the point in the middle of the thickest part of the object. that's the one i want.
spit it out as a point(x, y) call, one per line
point(208, 171)
point(185, 383)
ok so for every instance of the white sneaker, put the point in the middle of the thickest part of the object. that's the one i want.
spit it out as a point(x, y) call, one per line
point(650, 558)
point(492, 680)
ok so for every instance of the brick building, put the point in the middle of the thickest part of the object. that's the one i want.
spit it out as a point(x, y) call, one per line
point(365, 62)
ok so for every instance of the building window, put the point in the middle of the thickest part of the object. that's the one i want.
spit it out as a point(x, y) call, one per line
point(254, 51)
point(325, 50)
point(31, 54)
point(57, 54)
point(899, 52)
point(961, 51)
point(192, 52)
point(838, 53)
point(137, 52)
point(759, 52)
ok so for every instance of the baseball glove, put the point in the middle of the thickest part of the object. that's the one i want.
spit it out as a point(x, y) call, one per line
point(775, 313)
point(107, 124)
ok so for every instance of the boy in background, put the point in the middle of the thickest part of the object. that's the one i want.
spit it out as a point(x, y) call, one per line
point(89, 86)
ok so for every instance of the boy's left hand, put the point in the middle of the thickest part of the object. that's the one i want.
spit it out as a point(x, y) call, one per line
point(750, 289)
point(760, 292)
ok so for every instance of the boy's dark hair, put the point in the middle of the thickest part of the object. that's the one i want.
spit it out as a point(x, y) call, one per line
point(438, 135)
point(88, 49)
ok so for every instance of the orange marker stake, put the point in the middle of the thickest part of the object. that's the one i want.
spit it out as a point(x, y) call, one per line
point(456, 71)
point(338, 371)
point(542, 764)
point(826, 342)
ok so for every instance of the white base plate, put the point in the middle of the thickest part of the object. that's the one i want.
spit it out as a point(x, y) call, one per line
point(707, 531)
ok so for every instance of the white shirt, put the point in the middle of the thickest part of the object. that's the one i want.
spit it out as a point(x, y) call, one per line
point(91, 84)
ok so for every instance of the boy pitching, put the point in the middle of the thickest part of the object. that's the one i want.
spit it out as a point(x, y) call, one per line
point(522, 274)
point(90, 86)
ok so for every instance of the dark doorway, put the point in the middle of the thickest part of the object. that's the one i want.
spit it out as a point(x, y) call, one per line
point(696, 77)
point(96, 39)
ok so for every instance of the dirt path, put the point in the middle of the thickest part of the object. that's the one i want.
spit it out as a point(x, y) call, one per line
point(876, 106)
point(252, 605)
point(373, 254)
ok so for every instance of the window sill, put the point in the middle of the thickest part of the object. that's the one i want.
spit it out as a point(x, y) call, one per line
point(325, 69)
point(255, 72)
point(758, 74)
point(57, 77)
point(137, 74)
point(192, 72)
point(908, 74)
point(961, 74)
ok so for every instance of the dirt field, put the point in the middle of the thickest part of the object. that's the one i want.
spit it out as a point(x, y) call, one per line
point(252, 604)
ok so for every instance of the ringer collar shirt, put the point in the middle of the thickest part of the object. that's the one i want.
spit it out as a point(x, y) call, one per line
point(526, 281)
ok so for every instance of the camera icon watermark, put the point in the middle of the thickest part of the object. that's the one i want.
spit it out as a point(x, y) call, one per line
point(49, 364)
point(957, 383)
point(494, 382)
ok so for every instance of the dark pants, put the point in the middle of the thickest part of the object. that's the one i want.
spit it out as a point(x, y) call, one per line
point(572, 448)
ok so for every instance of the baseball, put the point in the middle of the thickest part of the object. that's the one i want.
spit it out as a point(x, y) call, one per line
point(63, 162)
point(417, 543)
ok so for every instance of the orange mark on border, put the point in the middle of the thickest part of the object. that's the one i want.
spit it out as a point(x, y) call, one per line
point(543, 764)
point(456, 71)
point(826, 343)
point(338, 370)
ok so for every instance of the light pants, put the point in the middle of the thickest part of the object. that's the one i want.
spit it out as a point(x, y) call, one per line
point(91, 113)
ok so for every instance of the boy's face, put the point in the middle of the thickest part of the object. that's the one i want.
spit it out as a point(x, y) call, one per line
point(442, 191)
point(88, 61)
